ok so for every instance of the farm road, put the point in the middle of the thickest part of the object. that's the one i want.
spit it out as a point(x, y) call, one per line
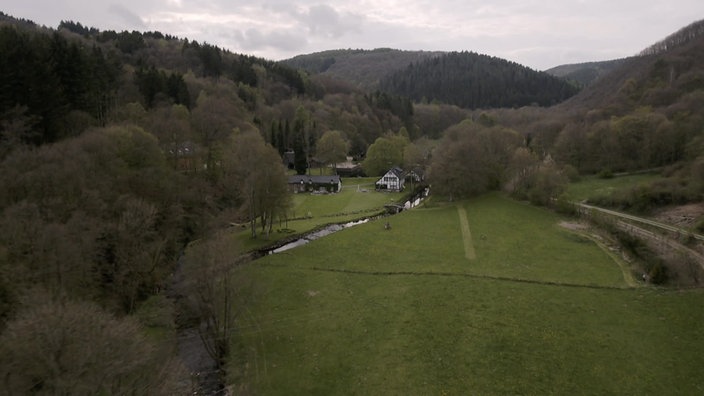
point(466, 234)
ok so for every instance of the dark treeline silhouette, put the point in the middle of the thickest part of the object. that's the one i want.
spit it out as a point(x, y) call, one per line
point(48, 77)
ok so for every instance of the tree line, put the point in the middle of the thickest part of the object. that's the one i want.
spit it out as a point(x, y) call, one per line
point(53, 85)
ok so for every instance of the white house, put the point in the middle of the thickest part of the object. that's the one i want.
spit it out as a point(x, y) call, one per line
point(393, 180)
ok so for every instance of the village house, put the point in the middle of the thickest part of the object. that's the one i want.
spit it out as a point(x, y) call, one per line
point(393, 180)
point(321, 184)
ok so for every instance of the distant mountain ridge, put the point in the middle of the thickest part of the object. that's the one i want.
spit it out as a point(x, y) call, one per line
point(662, 73)
point(465, 79)
point(473, 81)
point(584, 74)
point(361, 68)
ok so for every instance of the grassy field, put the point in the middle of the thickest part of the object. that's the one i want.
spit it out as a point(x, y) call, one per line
point(593, 186)
point(357, 199)
point(538, 310)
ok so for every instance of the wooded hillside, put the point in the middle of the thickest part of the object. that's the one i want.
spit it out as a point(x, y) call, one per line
point(436, 76)
point(119, 149)
point(474, 81)
point(583, 74)
point(363, 69)
point(644, 114)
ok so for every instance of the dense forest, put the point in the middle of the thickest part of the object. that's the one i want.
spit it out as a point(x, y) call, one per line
point(487, 82)
point(119, 149)
point(423, 76)
point(363, 69)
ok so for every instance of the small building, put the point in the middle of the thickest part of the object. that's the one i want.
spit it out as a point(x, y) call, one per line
point(349, 168)
point(320, 184)
point(350, 171)
point(184, 155)
point(393, 180)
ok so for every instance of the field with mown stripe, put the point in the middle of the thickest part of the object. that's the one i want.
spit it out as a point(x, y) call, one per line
point(539, 310)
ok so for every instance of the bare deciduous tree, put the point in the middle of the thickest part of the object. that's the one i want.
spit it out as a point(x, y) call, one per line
point(255, 169)
point(72, 347)
point(216, 292)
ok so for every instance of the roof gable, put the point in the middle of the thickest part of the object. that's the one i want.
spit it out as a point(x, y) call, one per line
point(395, 171)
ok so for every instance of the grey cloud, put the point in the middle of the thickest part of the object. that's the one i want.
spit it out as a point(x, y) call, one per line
point(320, 20)
point(133, 20)
point(282, 40)
point(326, 21)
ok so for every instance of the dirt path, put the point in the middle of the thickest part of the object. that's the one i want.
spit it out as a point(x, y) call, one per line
point(466, 234)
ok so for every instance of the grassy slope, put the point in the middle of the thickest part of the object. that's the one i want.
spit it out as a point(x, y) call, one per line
point(592, 186)
point(320, 331)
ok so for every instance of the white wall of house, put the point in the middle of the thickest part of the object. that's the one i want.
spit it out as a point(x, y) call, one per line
point(390, 181)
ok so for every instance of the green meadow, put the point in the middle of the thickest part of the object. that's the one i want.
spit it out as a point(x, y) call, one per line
point(487, 296)
point(309, 211)
point(594, 186)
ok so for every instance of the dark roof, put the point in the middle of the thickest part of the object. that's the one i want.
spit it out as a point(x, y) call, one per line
point(313, 179)
point(397, 171)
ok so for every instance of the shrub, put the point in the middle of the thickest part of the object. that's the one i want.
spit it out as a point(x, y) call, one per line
point(566, 207)
point(572, 173)
point(699, 227)
point(657, 272)
point(605, 174)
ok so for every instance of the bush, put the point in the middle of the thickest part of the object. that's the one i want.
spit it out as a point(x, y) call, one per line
point(657, 272)
point(566, 207)
point(605, 174)
point(572, 173)
point(156, 311)
point(654, 266)
point(699, 227)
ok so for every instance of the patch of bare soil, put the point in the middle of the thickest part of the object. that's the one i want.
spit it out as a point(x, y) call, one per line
point(684, 216)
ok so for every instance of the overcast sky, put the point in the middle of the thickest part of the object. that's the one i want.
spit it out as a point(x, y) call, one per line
point(539, 34)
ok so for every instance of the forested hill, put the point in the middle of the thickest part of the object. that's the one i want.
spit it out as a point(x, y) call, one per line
point(472, 80)
point(644, 114)
point(659, 76)
point(118, 149)
point(584, 74)
point(361, 68)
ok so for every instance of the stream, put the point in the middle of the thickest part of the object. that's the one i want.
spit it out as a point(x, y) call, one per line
point(323, 232)
point(333, 228)
point(204, 377)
